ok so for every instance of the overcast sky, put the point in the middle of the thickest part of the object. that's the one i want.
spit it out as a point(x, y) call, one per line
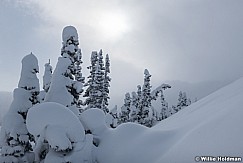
point(189, 40)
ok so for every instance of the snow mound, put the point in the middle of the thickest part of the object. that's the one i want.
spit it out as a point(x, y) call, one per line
point(94, 120)
point(56, 125)
point(68, 32)
point(54, 114)
point(209, 127)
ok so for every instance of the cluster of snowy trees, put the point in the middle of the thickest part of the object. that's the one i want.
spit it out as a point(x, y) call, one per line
point(98, 85)
point(138, 107)
point(49, 125)
point(64, 86)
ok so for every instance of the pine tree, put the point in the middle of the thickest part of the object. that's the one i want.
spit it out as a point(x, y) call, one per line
point(125, 109)
point(91, 91)
point(139, 105)
point(183, 101)
point(47, 76)
point(15, 139)
point(134, 108)
point(145, 100)
point(46, 81)
point(99, 81)
point(98, 85)
point(164, 107)
point(159, 92)
point(67, 81)
point(106, 85)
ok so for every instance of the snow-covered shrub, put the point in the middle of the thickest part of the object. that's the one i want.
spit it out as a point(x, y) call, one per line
point(59, 134)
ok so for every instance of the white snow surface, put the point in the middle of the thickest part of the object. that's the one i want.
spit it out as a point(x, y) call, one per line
point(68, 32)
point(93, 119)
point(63, 131)
point(58, 88)
point(209, 127)
point(50, 113)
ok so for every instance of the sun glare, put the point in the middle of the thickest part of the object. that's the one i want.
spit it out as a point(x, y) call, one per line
point(112, 25)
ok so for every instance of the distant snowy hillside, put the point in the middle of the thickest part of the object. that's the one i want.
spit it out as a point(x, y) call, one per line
point(5, 101)
point(209, 127)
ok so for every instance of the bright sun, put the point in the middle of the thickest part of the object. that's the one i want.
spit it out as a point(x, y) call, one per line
point(113, 25)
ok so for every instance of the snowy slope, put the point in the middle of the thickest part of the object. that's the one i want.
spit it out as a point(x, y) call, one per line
point(210, 127)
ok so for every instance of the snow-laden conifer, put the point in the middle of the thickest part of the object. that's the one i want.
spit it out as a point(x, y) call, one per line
point(99, 81)
point(91, 91)
point(15, 140)
point(47, 76)
point(183, 101)
point(97, 92)
point(106, 85)
point(164, 110)
point(125, 109)
point(134, 108)
point(67, 81)
point(46, 81)
point(146, 99)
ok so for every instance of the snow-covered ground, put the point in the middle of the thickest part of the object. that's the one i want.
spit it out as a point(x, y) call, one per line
point(209, 127)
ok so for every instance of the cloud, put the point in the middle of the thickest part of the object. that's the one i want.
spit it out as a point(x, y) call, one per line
point(176, 40)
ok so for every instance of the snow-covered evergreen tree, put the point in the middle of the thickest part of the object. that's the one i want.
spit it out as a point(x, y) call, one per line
point(146, 92)
point(164, 110)
point(183, 101)
point(67, 81)
point(106, 85)
point(46, 81)
point(164, 107)
point(47, 76)
point(145, 100)
point(15, 140)
point(97, 91)
point(125, 109)
point(99, 82)
point(91, 84)
point(134, 108)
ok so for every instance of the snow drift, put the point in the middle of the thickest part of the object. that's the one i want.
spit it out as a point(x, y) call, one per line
point(209, 127)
